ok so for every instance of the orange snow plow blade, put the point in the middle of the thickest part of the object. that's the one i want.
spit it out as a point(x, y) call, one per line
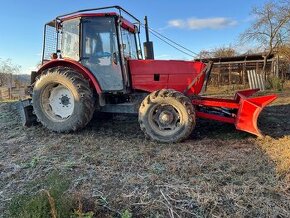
point(242, 111)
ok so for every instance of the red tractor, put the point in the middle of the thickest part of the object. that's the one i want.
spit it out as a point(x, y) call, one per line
point(93, 61)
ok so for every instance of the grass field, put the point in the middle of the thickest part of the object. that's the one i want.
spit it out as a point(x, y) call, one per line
point(110, 170)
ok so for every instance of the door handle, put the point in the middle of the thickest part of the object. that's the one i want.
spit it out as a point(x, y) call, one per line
point(115, 59)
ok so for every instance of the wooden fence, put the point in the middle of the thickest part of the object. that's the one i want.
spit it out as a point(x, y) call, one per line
point(13, 93)
point(234, 70)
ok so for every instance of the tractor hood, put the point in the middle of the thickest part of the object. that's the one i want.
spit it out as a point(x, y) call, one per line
point(151, 75)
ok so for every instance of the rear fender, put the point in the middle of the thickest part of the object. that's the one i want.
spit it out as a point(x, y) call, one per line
point(76, 66)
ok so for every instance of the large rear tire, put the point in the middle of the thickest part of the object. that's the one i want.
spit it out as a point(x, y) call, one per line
point(63, 100)
point(167, 116)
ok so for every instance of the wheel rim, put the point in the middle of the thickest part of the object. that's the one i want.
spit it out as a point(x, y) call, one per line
point(165, 119)
point(57, 101)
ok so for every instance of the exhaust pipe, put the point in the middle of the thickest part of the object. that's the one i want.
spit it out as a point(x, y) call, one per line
point(148, 45)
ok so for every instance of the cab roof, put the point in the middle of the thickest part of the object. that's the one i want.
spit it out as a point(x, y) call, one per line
point(91, 13)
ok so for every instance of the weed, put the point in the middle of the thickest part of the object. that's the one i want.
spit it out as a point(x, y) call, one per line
point(103, 200)
point(34, 162)
point(80, 213)
point(49, 202)
point(89, 214)
point(158, 168)
point(126, 214)
point(70, 164)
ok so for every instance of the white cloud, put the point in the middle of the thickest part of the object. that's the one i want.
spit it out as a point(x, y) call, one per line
point(203, 23)
point(177, 23)
point(249, 18)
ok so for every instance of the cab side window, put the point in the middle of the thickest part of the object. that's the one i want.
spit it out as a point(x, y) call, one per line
point(129, 44)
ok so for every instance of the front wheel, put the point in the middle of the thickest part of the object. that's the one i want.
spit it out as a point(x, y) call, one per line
point(63, 100)
point(167, 116)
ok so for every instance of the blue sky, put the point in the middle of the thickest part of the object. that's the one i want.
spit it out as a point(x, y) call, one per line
point(195, 24)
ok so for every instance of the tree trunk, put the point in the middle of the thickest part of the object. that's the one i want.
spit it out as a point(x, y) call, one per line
point(265, 64)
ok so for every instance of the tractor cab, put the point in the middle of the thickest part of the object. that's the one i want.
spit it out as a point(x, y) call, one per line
point(101, 42)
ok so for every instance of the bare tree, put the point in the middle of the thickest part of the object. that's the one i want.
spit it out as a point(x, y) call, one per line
point(284, 62)
point(284, 51)
point(7, 69)
point(270, 28)
point(224, 51)
point(203, 54)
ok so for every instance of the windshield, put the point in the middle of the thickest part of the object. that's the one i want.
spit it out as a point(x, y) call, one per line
point(99, 38)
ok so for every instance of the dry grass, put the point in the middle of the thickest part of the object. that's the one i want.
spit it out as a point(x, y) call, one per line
point(217, 172)
point(279, 151)
point(225, 89)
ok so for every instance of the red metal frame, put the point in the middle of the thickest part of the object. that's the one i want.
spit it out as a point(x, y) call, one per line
point(215, 117)
point(88, 15)
point(127, 25)
point(124, 23)
point(217, 102)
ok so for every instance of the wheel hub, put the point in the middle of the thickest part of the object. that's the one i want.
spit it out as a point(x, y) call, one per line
point(64, 100)
point(166, 117)
point(60, 101)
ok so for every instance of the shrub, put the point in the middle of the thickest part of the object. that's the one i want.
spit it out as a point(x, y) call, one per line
point(276, 83)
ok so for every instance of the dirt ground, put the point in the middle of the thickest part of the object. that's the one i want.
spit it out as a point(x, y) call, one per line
point(217, 172)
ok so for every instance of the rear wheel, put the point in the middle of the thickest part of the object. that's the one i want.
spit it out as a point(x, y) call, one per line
point(167, 116)
point(63, 100)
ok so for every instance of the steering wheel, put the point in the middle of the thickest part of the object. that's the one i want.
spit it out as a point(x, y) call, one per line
point(103, 54)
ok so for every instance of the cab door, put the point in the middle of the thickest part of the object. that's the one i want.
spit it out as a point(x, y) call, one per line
point(129, 51)
point(100, 52)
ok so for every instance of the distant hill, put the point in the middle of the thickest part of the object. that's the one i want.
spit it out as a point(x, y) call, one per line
point(23, 78)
